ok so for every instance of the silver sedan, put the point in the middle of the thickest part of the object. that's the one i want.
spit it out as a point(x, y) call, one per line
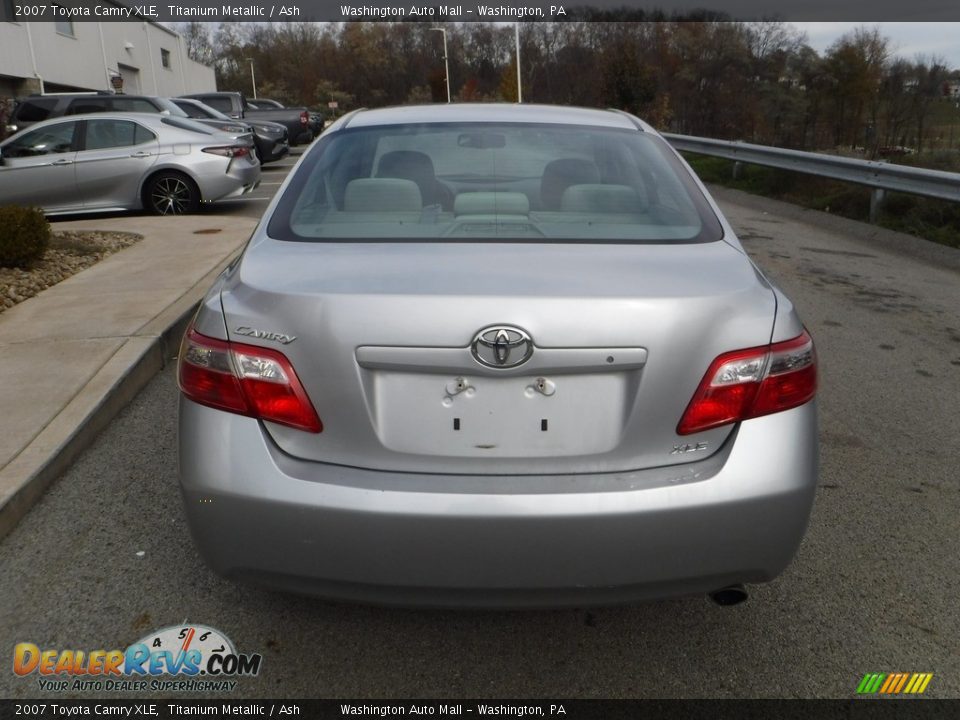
point(124, 161)
point(497, 356)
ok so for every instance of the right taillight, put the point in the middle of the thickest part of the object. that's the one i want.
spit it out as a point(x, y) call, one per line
point(244, 379)
point(749, 383)
point(230, 151)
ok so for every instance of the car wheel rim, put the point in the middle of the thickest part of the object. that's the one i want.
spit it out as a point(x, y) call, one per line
point(171, 196)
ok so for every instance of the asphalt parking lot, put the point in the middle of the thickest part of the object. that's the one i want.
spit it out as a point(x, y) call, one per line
point(105, 557)
point(271, 177)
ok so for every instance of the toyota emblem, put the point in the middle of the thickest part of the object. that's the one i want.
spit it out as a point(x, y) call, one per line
point(501, 346)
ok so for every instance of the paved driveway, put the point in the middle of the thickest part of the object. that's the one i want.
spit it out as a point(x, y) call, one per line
point(106, 558)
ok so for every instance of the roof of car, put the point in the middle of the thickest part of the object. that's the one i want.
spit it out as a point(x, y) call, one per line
point(156, 120)
point(492, 112)
point(146, 118)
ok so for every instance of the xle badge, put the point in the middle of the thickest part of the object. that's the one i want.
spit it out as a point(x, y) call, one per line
point(688, 448)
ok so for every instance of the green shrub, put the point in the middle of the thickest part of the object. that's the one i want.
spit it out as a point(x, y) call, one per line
point(24, 236)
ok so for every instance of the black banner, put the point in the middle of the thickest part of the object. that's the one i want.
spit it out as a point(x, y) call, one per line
point(855, 709)
point(471, 10)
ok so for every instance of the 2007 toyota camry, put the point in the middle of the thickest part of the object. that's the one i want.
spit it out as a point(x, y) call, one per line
point(495, 355)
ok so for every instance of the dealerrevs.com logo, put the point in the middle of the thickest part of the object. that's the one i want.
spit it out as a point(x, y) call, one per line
point(185, 658)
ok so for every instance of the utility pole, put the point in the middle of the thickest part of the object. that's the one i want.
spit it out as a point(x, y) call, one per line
point(446, 60)
point(253, 78)
point(516, 29)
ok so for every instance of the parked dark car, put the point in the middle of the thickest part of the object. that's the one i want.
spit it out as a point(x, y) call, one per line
point(269, 138)
point(235, 104)
point(36, 108)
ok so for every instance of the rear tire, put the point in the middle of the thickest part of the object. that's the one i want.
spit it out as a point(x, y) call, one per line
point(171, 193)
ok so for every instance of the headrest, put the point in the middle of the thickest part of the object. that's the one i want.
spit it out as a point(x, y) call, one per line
point(601, 199)
point(382, 195)
point(561, 174)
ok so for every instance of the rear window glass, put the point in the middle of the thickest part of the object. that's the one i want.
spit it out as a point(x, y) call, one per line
point(190, 109)
point(35, 110)
point(133, 105)
point(186, 124)
point(222, 104)
point(476, 181)
point(88, 105)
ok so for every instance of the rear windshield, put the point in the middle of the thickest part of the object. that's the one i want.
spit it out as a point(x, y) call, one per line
point(187, 124)
point(484, 181)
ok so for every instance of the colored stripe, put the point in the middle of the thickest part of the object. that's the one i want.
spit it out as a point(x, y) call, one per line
point(926, 681)
point(891, 679)
point(862, 687)
point(903, 680)
point(877, 680)
point(914, 682)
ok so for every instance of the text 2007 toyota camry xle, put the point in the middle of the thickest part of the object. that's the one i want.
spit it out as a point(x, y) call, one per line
point(496, 355)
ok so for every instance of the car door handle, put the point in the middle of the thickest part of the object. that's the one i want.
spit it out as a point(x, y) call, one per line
point(62, 162)
point(141, 154)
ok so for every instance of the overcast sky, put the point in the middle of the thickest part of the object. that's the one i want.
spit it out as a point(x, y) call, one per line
point(908, 39)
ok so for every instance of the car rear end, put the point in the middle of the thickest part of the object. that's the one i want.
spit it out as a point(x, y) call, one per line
point(29, 110)
point(271, 140)
point(552, 377)
point(223, 164)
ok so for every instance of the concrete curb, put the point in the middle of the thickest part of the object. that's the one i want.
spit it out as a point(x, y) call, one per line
point(114, 385)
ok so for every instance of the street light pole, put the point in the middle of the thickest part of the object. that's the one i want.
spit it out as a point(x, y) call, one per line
point(446, 60)
point(516, 29)
point(253, 78)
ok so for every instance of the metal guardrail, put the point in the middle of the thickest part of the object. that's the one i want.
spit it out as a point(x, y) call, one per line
point(881, 176)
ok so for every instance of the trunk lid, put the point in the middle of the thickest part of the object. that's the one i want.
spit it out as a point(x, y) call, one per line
point(621, 336)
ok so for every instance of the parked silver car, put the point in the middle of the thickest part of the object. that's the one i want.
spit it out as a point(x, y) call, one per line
point(124, 161)
point(497, 355)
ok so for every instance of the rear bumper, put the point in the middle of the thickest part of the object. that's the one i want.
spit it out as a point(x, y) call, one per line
point(430, 540)
point(272, 150)
point(239, 179)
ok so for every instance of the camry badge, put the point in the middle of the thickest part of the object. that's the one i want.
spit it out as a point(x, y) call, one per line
point(501, 346)
point(264, 335)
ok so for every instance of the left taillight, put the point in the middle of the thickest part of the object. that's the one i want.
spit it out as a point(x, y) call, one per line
point(304, 117)
point(230, 151)
point(750, 383)
point(244, 379)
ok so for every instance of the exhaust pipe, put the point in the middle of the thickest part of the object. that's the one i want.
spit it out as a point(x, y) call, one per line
point(730, 595)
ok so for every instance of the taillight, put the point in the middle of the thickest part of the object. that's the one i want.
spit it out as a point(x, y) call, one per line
point(304, 118)
point(749, 383)
point(231, 151)
point(246, 380)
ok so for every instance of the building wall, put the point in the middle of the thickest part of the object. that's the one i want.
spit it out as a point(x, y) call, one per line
point(93, 53)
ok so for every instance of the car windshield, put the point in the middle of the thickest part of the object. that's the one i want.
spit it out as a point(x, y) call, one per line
point(503, 181)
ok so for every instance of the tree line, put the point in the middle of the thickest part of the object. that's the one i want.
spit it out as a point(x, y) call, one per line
point(700, 75)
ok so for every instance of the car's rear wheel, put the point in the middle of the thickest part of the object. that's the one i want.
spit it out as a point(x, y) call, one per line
point(171, 193)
